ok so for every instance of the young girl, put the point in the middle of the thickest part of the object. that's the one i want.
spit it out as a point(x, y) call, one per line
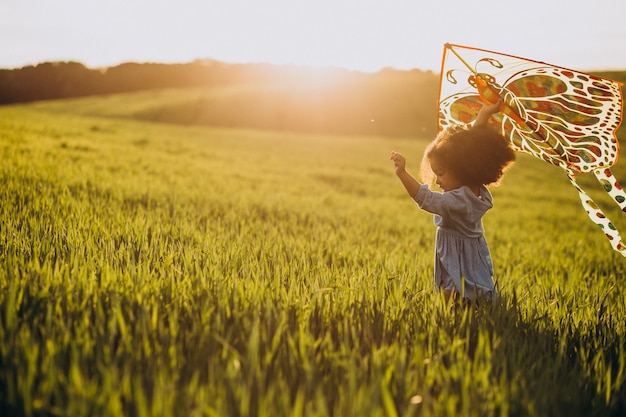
point(464, 160)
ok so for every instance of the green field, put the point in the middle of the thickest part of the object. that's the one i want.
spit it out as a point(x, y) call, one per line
point(168, 270)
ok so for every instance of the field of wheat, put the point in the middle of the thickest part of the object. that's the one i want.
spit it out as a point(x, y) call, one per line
point(149, 269)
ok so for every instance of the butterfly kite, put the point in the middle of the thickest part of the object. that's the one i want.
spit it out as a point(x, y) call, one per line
point(564, 117)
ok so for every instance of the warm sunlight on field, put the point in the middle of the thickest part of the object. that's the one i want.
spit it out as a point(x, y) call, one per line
point(199, 216)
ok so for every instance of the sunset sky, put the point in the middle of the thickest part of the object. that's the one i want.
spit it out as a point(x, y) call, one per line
point(363, 35)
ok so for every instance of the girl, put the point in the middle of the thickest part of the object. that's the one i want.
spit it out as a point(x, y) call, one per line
point(464, 160)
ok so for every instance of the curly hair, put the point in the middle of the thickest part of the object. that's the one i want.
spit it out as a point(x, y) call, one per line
point(476, 155)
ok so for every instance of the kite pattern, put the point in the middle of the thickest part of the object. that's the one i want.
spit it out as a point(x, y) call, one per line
point(564, 117)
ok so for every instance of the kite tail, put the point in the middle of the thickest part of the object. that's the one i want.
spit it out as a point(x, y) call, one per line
point(611, 186)
point(596, 215)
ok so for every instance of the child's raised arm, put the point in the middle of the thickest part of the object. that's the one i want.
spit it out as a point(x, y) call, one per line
point(411, 185)
point(485, 113)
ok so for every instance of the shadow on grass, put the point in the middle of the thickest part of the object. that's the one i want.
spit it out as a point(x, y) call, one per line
point(554, 366)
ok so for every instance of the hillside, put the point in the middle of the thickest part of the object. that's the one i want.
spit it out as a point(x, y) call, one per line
point(390, 103)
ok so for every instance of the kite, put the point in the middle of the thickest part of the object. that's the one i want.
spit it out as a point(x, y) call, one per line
point(565, 117)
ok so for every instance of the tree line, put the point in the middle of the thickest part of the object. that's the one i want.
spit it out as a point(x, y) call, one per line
point(53, 80)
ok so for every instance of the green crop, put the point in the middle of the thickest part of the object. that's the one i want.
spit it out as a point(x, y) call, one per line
point(157, 270)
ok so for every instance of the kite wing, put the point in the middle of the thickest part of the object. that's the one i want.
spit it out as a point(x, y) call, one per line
point(564, 117)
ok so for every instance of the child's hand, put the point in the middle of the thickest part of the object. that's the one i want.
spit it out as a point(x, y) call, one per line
point(485, 113)
point(492, 108)
point(399, 162)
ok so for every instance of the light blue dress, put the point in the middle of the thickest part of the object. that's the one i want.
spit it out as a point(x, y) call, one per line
point(462, 259)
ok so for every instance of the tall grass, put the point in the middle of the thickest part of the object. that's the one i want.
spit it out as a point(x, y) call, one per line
point(152, 270)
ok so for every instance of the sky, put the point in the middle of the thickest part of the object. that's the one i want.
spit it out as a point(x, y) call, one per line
point(363, 35)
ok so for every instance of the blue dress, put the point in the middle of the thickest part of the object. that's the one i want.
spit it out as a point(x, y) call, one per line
point(462, 259)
